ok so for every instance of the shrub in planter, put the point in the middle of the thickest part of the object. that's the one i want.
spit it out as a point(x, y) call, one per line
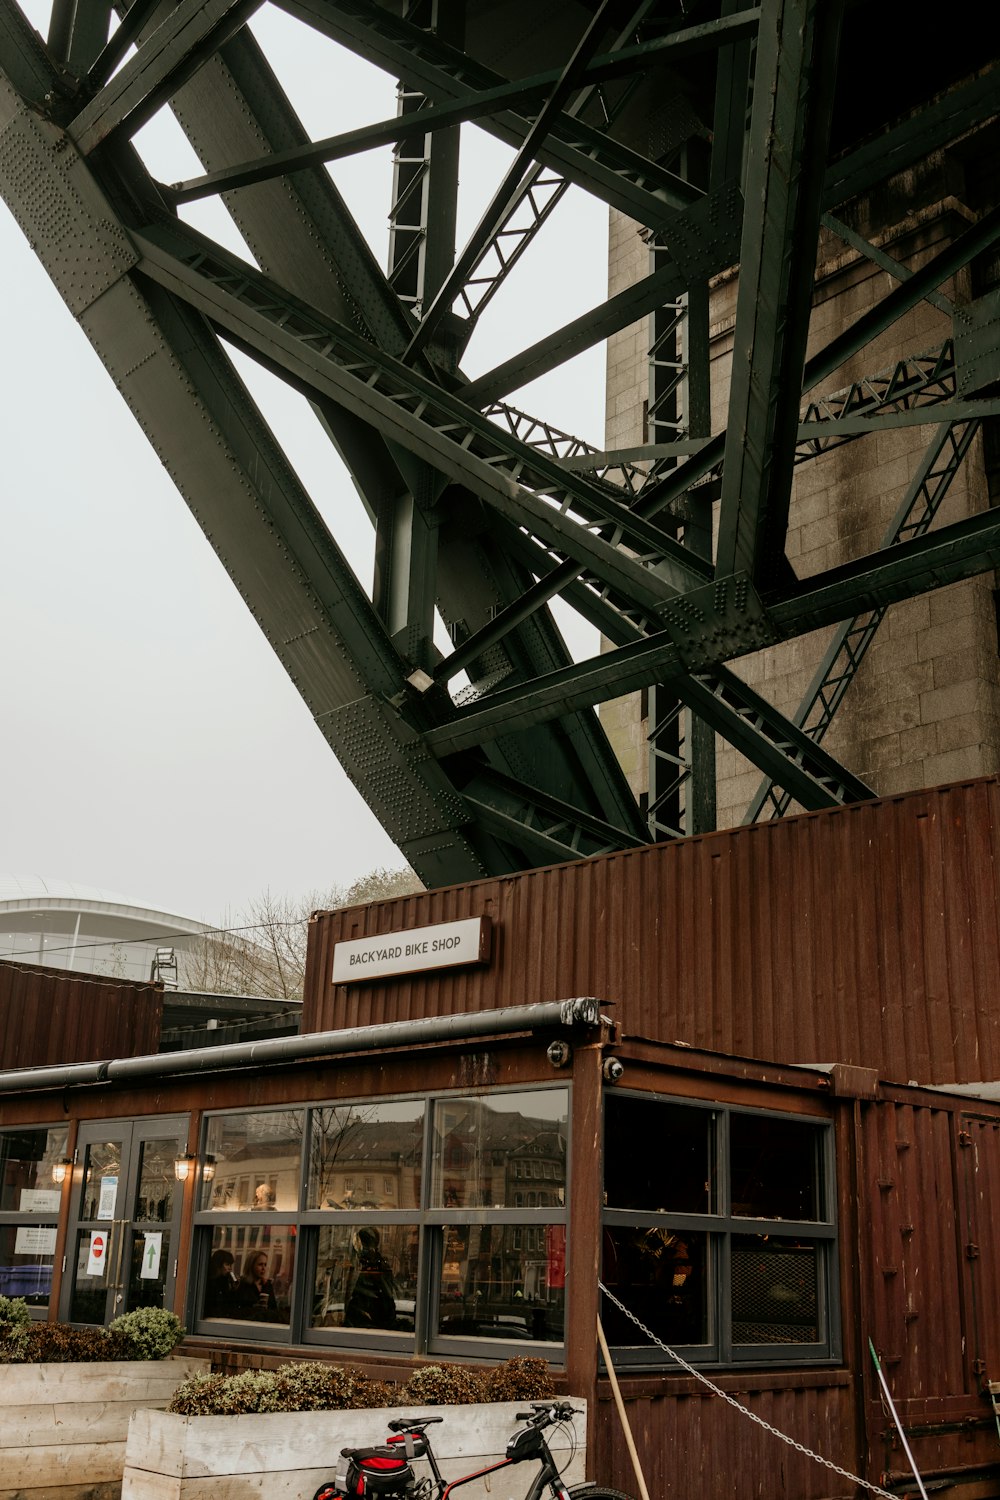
point(311, 1385)
point(520, 1379)
point(443, 1385)
point(15, 1322)
point(147, 1333)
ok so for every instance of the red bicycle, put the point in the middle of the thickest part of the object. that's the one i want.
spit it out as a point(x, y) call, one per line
point(386, 1473)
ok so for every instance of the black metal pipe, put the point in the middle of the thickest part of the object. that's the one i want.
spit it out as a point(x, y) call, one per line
point(584, 1011)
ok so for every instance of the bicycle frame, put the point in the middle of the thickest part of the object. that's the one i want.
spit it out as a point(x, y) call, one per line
point(547, 1478)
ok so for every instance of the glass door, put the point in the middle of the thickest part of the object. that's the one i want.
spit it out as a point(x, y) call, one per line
point(122, 1230)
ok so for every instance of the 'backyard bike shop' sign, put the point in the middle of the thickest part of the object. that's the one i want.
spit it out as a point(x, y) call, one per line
point(439, 947)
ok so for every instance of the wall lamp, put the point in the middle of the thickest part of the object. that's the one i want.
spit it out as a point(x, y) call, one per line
point(61, 1170)
point(184, 1165)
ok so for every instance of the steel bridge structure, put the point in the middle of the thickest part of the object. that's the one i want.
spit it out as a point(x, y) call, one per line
point(733, 135)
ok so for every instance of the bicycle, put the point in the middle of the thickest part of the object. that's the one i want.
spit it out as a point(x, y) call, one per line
point(386, 1473)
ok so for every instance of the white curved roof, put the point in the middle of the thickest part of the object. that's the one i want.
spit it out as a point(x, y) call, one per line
point(25, 892)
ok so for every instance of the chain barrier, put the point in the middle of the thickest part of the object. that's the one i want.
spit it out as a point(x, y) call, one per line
point(745, 1411)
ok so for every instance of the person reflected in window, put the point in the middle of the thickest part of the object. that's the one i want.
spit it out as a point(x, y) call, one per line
point(371, 1302)
point(255, 1293)
point(263, 1197)
point(220, 1290)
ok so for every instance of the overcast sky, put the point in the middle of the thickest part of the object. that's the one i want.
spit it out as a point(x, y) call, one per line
point(154, 745)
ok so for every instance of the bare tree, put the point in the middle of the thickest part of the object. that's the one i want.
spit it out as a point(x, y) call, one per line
point(262, 951)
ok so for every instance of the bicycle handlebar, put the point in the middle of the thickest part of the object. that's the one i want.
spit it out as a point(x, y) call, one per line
point(545, 1413)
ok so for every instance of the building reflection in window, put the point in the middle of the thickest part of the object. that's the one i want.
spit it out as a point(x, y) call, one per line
point(503, 1281)
point(366, 1156)
point(366, 1276)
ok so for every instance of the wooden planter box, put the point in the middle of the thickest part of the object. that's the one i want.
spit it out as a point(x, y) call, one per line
point(288, 1455)
point(63, 1426)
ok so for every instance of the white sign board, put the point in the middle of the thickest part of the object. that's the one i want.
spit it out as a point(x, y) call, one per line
point(40, 1200)
point(97, 1256)
point(438, 947)
point(108, 1198)
point(152, 1248)
point(35, 1239)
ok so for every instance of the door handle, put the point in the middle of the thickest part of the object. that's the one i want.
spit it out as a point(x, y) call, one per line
point(122, 1227)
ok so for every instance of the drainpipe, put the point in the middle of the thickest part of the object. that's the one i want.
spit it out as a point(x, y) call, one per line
point(584, 1011)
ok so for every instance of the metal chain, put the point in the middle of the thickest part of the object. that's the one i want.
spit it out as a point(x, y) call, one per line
point(731, 1401)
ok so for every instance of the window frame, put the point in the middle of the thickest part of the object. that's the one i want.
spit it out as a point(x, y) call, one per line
point(721, 1227)
point(16, 1218)
point(431, 1224)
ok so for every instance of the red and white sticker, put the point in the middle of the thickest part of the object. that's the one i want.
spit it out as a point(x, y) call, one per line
point(98, 1257)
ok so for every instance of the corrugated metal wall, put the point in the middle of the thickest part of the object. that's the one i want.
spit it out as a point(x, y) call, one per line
point(867, 935)
point(53, 1016)
point(695, 1445)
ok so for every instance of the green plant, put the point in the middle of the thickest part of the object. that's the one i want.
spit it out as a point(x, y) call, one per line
point(443, 1385)
point(520, 1379)
point(199, 1396)
point(55, 1343)
point(146, 1333)
point(313, 1385)
point(15, 1321)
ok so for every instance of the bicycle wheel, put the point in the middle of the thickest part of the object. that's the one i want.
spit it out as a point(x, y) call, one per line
point(596, 1492)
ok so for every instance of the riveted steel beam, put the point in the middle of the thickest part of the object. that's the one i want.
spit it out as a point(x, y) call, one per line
point(790, 125)
point(847, 650)
point(178, 47)
point(580, 152)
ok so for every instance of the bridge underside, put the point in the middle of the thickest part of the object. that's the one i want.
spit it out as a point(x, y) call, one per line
point(733, 136)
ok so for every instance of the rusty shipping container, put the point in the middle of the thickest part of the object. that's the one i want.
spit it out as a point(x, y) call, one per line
point(867, 935)
point(50, 1016)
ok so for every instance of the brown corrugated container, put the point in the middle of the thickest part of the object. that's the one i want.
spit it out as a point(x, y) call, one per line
point(866, 935)
point(54, 1016)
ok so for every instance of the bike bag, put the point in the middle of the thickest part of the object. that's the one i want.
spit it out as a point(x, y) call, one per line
point(331, 1490)
point(376, 1472)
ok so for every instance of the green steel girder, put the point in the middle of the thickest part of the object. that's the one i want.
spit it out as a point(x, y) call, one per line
point(483, 514)
point(327, 359)
point(177, 48)
point(790, 127)
point(945, 556)
point(629, 182)
point(851, 640)
point(302, 234)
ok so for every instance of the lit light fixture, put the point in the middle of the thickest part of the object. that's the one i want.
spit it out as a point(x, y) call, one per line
point(184, 1165)
point(61, 1170)
point(208, 1169)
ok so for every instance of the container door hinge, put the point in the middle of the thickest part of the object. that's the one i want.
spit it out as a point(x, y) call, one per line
point(965, 1138)
point(972, 1251)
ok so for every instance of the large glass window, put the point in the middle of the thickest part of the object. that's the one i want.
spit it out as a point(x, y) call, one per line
point(718, 1233)
point(366, 1156)
point(361, 1223)
point(29, 1211)
point(257, 1162)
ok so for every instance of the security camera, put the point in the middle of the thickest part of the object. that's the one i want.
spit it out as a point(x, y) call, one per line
point(613, 1069)
point(558, 1053)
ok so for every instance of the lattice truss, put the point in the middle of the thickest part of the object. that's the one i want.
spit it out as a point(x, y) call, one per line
point(733, 136)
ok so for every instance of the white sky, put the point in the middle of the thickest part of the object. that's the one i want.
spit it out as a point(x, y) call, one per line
point(154, 745)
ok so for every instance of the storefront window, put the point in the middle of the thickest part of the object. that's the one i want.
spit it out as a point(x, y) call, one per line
point(366, 1156)
point(484, 1149)
point(717, 1235)
point(250, 1273)
point(388, 1252)
point(29, 1211)
point(366, 1276)
point(258, 1162)
point(503, 1281)
point(661, 1275)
